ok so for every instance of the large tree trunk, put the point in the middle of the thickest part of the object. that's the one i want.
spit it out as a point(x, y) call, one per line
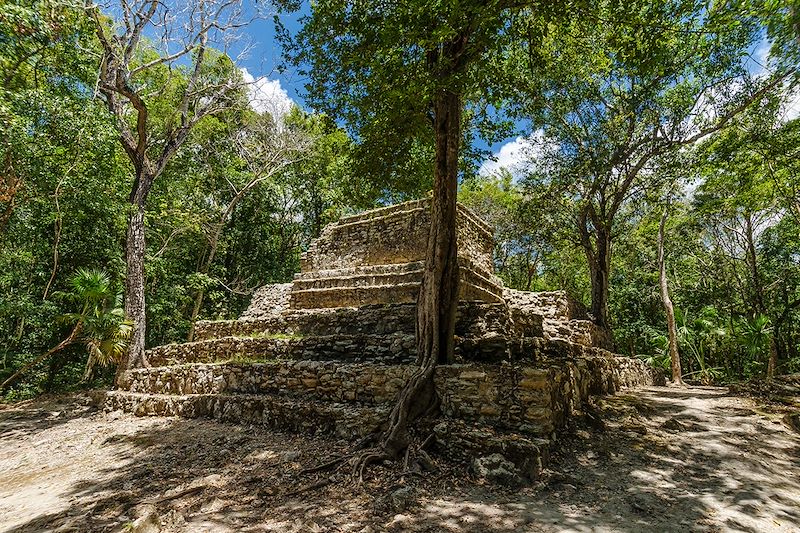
point(438, 297)
point(134, 288)
point(672, 330)
point(437, 302)
point(599, 259)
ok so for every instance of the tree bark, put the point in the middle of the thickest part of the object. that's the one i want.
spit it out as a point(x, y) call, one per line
point(438, 297)
point(752, 264)
point(672, 330)
point(599, 259)
point(437, 301)
point(772, 362)
point(134, 288)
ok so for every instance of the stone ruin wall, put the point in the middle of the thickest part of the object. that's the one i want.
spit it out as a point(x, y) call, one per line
point(535, 401)
point(524, 364)
point(268, 301)
point(562, 317)
point(394, 235)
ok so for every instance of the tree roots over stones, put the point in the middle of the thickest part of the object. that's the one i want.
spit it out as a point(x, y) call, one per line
point(417, 401)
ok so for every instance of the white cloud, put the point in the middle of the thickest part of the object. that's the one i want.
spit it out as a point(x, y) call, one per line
point(510, 157)
point(518, 155)
point(267, 96)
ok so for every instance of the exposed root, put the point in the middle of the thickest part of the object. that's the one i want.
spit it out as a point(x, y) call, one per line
point(177, 495)
point(340, 459)
point(311, 486)
point(325, 466)
point(361, 461)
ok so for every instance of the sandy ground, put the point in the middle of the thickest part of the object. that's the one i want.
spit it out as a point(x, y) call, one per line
point(664, 460)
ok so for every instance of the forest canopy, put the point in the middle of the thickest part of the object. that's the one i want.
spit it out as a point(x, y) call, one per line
point(623, 115)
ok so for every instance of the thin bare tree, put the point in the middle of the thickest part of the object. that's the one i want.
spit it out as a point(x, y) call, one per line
point(146, 45)
point(672, 330)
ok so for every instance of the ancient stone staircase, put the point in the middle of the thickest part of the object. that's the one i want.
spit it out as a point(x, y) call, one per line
point(330, 352)
point(338, 371)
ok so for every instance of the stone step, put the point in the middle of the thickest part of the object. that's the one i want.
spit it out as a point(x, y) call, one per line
point(473, 320)
point(401, 268)
point(385, 348)
point(343, 420)
point(454, 439)
point(388, 348)
point(351, 296)
point(326, 381)
point(353, 399)
point(502, 396)
point(343, 295)
point(382, 280)
point(375, 319)
point(380, 284)
point(394, 348)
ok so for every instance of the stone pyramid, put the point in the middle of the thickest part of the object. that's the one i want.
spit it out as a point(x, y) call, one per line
point(330, 351)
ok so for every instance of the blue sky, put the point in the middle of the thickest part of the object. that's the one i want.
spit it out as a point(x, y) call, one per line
point(272, 88)
point(261, 63)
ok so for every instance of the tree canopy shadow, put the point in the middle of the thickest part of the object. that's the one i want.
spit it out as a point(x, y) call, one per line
point(738, 472)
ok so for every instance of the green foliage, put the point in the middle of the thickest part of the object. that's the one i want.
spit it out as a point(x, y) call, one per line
point(605, 85)
point(103, 328)
point(388, 62)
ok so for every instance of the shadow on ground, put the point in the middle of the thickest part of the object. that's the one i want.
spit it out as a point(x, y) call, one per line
point(668, 460)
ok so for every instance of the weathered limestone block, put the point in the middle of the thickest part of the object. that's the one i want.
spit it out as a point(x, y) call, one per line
point(496, 468)
point(461, 441)
point(268, 301)
point(342, 420)
point(554, 304)
point(356, 348)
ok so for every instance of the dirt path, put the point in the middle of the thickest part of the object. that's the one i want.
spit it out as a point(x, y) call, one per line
point(665, 460)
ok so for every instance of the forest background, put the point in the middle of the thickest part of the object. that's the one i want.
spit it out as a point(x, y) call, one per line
point(621, 117)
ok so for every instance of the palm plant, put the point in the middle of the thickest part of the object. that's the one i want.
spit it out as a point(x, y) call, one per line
point(99, 324)
point(700, 337)
point(754, 335)
point(660, 357)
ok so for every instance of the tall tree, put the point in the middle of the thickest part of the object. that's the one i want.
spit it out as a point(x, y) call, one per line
point(399, 74)
point(669, 310)
point(738, 198)
point(135, 77)
point(616, 90)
